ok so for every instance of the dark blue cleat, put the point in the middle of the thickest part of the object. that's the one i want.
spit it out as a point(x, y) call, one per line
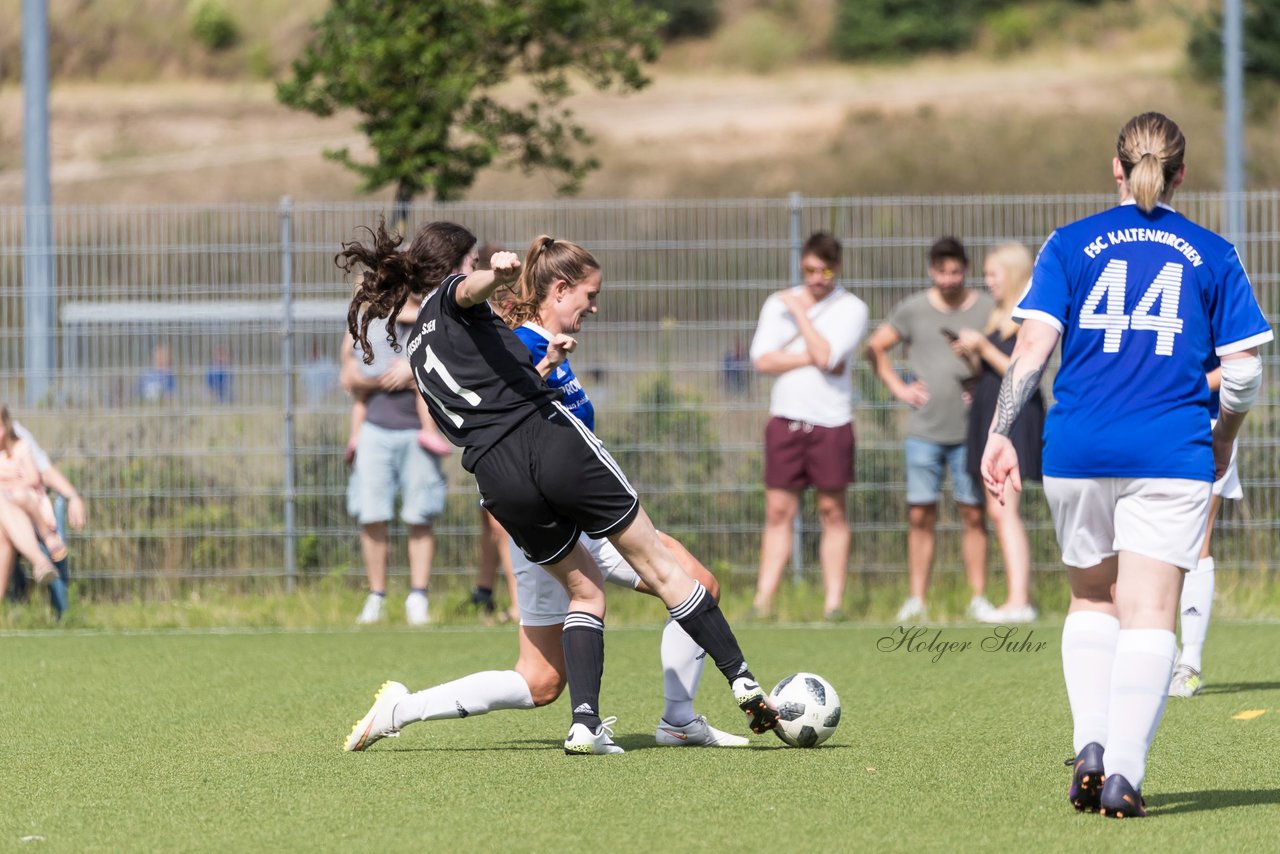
point(1120, 800)
point(1086, 778)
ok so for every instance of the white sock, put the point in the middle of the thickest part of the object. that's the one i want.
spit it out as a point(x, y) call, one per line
point(1139, 689)
point(1197, 603)
point(1088, 649)
point(477, 694)
point(682, 662)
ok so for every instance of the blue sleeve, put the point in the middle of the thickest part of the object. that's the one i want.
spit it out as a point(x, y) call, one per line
point(1048, 296)
point(1234, 315)
point(536, 343)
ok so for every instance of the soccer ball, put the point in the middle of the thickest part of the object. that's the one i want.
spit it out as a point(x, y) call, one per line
point(808, 709)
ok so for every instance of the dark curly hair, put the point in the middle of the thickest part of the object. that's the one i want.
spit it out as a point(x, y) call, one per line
point(388, 276)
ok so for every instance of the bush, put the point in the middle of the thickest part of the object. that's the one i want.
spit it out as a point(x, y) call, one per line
point(1261, 42)
point(213, 26)
point(879, 28)
point(686, 18)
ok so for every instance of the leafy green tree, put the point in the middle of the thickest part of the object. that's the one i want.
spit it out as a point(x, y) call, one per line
point(1261, 42)
point(423, 77)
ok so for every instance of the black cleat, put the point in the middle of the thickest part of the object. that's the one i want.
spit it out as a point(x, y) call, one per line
point(1087, 778)
point(1120, 800)
point(761, 714)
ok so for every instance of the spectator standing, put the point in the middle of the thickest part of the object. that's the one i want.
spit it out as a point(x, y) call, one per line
point(1007, 270)
point(390, 460)
point(806, 338)
point(925, 324)
point(157, 383)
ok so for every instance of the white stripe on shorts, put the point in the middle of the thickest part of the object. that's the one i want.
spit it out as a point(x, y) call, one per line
point(596, 446)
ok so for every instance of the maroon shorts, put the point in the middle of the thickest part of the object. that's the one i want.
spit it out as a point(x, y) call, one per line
point(798, 455)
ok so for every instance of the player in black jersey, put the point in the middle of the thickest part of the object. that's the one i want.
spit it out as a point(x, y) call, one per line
point(540, 471)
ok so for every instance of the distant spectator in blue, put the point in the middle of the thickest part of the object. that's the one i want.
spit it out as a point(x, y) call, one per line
point(157, 382)
point(217, 377)
point(737, 368)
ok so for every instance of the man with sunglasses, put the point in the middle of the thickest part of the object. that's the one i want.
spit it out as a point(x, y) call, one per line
point(806, 339)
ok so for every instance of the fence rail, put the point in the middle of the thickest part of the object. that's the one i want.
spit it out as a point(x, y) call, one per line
point(193, 393)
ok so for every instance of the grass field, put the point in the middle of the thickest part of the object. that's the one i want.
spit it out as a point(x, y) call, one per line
point(224, 740)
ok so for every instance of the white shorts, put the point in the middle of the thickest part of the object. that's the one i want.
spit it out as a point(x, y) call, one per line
point(1159, 518)
point(543, 599)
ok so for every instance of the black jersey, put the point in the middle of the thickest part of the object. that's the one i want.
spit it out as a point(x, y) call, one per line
point(475, 374)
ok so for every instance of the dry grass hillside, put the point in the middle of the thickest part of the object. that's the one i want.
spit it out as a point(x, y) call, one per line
point(1036, 120)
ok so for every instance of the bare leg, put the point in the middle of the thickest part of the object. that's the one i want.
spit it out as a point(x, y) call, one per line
point(17, 525)
point(1012, 535)
point(653, 561)
point(922, 521)
point(780, 507)
point(422, 546)
point(973, 546)
point(8, 557)
point(833, 550)
point(373, 546)
point(541, 662)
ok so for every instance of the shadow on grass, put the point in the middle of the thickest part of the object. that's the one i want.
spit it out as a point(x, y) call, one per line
point(1237, 687)
point(1183, 802)
point(629, 743)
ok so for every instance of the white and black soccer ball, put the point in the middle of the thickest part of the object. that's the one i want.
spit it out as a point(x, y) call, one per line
point(808, 709)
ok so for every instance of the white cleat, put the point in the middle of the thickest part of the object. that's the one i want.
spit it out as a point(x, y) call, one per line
point(372, 610)
point(378, 723)
point(1186, 681)
point(416, 611)
point(696, 733)
point(583, 742)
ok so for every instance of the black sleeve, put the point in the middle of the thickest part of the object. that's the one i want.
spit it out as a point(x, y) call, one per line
point(449, 300)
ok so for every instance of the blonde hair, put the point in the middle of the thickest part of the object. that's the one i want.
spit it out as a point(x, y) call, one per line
point(547, 261)
point(1016, 262)
point(1151, 149)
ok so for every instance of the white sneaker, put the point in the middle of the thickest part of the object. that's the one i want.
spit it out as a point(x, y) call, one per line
point(378, 723)
point(415, 609)
point(1008, 616)
point(582, 741)
point(980, 608)
point(696, 733)
point(912, 609)
point(372, 610)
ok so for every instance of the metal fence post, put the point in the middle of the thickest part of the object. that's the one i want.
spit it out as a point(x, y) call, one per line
point(795, 205)
point(38, 299)
point(286, 367)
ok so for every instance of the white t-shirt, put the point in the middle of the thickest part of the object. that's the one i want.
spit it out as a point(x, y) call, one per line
point(824, 398)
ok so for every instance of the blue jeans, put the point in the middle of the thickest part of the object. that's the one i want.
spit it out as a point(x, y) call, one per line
point(926, 463)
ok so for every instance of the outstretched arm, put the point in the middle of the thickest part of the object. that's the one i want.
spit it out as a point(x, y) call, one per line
point(1036, 341)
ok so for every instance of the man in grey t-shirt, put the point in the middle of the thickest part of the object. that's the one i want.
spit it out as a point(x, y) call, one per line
point(925, 324)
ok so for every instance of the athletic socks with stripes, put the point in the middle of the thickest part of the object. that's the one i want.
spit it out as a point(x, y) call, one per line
point(583, 642)
point(700, 616)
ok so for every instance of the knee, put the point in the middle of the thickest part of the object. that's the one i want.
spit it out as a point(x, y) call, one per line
point(776, 516)
point(922, 517)
point(545, 685)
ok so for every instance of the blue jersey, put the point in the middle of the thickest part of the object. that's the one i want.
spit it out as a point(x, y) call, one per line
point(561, 377)
point(1141, 301)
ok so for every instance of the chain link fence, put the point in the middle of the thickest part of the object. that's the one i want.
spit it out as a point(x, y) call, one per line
point(192, 394)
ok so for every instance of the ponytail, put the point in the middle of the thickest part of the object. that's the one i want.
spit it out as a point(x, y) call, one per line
point(547, 261)
point(1151, 149)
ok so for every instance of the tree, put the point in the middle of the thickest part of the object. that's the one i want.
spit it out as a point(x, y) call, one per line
point(1261, 42)
point(423, 76)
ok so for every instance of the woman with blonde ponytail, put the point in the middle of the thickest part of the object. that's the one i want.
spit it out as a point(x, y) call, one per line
point(1141, 298)
point(540, 471)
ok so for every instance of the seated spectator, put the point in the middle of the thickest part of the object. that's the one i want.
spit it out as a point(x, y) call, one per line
point(217, 376)
point(157, 382)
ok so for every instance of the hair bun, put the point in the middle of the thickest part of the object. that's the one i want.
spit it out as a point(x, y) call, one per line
point(548, 242)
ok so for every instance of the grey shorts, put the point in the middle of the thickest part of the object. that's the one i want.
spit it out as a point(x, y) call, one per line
point(390, 462)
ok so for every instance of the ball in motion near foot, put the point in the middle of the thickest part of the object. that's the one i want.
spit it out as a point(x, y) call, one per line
point(808, 709)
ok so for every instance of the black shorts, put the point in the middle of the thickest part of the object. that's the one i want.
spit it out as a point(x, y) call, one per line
point(549, 481)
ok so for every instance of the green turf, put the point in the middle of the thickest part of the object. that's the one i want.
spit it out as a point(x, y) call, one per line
point(228, 741)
